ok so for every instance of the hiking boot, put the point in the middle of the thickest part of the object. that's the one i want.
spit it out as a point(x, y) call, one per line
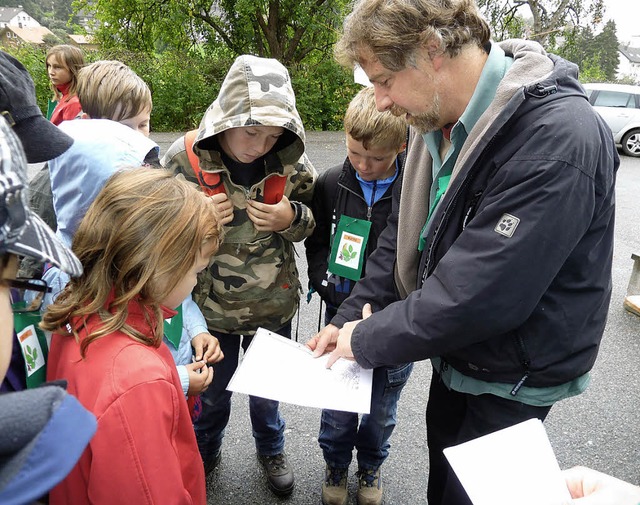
point(369, 487)
point(334, 487)
point(211, 464)
point(279, 473)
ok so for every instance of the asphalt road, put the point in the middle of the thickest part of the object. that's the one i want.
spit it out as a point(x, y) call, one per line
point(600, 428)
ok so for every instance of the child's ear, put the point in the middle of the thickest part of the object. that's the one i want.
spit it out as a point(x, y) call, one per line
point(84, 115)
point(402, 148)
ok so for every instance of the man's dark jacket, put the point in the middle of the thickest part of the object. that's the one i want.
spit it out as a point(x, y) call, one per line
point(515, 280)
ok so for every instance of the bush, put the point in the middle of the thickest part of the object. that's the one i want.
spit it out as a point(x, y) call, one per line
point(323, 92)
point(34, 60)
point(183, 85)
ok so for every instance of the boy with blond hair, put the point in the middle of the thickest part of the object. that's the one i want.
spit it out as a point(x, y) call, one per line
point(115, 100)
point(351, 204)
point(107, 89)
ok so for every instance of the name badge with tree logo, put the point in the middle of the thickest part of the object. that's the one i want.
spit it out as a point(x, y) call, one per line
point(348, 247)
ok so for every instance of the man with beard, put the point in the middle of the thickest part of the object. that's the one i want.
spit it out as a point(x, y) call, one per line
point(496, 262)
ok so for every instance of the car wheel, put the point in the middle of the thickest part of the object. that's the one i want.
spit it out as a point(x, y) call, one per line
point(631, 143)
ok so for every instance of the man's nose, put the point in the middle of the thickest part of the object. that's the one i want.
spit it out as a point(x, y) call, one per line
point(383, 102)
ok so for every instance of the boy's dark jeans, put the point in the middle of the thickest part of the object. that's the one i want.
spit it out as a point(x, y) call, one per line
point(268, 426)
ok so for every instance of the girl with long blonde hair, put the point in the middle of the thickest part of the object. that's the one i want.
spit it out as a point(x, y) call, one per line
point(63, 65)
point(142, 243)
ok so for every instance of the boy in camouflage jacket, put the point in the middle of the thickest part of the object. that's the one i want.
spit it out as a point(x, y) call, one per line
point(250, 159)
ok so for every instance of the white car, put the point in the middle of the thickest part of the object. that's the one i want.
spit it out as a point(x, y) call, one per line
point(619, 106)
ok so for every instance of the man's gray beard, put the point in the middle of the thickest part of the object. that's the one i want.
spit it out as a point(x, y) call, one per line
point(424, 123)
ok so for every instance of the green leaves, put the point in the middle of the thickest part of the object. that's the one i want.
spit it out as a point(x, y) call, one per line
point(347, 253)
point(31, 356)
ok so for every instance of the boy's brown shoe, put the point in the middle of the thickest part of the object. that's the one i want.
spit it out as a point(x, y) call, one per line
point(632, 304)
point(279, 473)
point(334, 487)
point(369, 487)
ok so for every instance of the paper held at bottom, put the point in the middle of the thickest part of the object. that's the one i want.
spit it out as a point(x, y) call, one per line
point(515, 465)
point(280, 369)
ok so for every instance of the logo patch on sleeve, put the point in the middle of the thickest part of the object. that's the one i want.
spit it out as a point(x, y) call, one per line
point(507, 225)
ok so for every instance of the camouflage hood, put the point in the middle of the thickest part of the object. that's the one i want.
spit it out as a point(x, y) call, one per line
point(249, 97)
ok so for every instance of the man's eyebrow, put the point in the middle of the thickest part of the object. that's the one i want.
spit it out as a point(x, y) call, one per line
point(379, 77)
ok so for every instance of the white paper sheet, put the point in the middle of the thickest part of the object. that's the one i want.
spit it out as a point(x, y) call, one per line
point(514, 465)
point(280, 369)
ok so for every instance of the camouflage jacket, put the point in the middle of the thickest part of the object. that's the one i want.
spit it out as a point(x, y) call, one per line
point(253, 280)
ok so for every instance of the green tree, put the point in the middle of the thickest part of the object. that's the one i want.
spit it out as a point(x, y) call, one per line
point(591, 71)
point(288, 30)
point(597, 56)
point(575, 44)
point(606, 46)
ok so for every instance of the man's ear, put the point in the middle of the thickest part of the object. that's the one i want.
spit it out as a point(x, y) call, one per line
point(433, 47)
point(432, 50)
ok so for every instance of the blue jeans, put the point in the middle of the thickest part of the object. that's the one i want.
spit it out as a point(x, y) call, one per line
point(340, 432)
point(267, 424)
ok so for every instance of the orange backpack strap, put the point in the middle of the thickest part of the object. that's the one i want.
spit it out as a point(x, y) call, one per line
point(211, 183)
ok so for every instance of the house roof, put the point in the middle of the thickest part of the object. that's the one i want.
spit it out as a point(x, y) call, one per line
point(8, 13)
point(631, 53)
point(82, 39)
point(31, 35)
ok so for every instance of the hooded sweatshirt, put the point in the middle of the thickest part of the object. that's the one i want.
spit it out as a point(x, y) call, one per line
point(253, 280)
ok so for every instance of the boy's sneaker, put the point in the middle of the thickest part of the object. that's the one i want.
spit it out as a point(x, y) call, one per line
point(279, 473)
point(334, 487)
point(369, 487)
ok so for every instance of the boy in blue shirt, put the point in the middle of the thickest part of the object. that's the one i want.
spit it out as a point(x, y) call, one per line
point(351, 204)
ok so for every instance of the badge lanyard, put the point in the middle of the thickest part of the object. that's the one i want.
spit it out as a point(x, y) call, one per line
point(33, 345)
point(349, 247)
point(173, 328)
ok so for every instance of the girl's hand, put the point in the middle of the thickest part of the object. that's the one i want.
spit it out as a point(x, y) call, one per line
point(265, 217)
point(207, 348)
point(200, 376)
point(224, 207)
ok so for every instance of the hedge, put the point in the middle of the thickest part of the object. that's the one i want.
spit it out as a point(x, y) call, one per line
point(183, 84)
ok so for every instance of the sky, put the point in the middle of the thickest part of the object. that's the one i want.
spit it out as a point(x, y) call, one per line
point(626, 14)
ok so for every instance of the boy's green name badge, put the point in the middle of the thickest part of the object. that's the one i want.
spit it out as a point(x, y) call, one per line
point(173, 328)
point(349, 246)
point(33, 345)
